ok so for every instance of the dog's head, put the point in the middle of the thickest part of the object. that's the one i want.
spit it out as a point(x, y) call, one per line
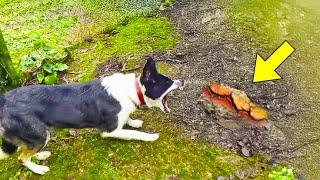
point(157, 86)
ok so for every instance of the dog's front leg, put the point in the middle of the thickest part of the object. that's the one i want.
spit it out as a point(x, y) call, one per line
point(136, 123)
point(127, 134)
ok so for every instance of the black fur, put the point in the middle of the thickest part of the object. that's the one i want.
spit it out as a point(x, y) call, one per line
point(28, 111)
point(156, 84)
point(8, 148)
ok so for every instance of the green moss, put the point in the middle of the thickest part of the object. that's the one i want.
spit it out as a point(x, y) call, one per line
point(60, 23)
point(172, 155)
point(142, 35)
point(25, 22)
point(133, 62)
point(259, 20)
point(136, 36)
point(168, 2)
point(266, 24)
point(114, 32)
point(164, 68)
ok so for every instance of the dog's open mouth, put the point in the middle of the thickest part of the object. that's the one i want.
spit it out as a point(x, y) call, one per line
point(164, 100)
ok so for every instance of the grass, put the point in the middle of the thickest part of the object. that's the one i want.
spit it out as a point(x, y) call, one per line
point(91, 157)
point(93, 31)
point(68, 24)
point(133, 35)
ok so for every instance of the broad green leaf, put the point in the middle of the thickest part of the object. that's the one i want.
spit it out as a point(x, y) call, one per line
point(60, 67)
point(28, 61)
point(48, 67)
point(40, 76)
point(51, 79)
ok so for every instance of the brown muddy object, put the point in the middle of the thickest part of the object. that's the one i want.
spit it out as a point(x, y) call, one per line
point(220, 90)
point(235, 102)
point(258, 113)
point(241, 100)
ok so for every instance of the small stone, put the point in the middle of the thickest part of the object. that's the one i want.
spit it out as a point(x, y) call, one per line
point(272, 162)
point(73, 133)
point(290, 112)
point(258, 113)
point(179, 55)
point(245, 151)
point(240, 143)
point(239, 174)
point(88, 39)
point(241, 100)
point(222, 178)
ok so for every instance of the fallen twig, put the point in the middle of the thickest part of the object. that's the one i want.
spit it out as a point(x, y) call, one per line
point(173, 60)
point(294, 149)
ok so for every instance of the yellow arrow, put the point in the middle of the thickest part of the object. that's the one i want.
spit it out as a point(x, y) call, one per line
point(265, 70)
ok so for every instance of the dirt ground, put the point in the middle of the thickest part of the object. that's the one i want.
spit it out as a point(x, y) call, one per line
point(210, 50)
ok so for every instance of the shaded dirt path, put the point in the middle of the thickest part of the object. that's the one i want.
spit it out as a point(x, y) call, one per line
point(212, 51)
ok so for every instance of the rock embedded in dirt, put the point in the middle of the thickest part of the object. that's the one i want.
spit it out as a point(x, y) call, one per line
point(240, 174)
point(258, 113)
point(222, 100)
point(222, 178)
point(245, 151)
point(220, 90)
point(241, 100)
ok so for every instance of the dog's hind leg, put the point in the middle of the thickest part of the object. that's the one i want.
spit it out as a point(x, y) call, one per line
point(127, 134)
point(7, 149)
point(25, 157)
point(43, 155)
point(31, 151)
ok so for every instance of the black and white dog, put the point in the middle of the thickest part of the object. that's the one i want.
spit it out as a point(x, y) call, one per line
point(26, 113)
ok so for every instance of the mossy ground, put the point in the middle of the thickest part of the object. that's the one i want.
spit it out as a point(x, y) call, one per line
point(91, 157)
point(94, 31)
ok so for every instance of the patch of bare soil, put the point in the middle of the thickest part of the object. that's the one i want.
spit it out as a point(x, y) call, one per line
point(209, 50)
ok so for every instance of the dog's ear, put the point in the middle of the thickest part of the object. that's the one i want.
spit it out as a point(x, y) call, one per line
point(149, 69)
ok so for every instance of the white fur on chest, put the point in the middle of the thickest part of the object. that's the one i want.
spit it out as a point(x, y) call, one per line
point(122, 88)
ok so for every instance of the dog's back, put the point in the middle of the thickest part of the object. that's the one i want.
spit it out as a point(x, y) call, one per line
point(83, 104)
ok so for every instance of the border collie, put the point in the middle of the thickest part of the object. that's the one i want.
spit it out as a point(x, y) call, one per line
point(26, 113)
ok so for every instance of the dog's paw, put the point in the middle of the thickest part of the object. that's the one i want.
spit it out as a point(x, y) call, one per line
point(43, 155)
point(41, 169)
point(38, 169)
point(135, 123)
point(152, 137)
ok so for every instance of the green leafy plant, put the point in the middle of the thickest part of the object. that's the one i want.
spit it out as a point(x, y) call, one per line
point(283, 174)
point(45, 63)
